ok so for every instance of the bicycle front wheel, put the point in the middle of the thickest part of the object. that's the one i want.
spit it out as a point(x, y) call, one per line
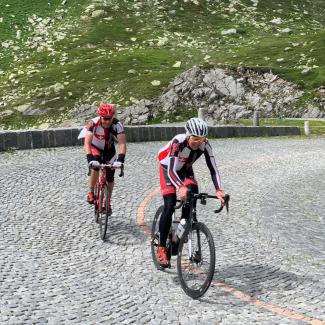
point(196, 260)
point(97, 201)
point(103, 213)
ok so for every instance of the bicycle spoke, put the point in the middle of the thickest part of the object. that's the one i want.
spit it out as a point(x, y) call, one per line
point(103, 219)
point(197, 265)
point(97, 202)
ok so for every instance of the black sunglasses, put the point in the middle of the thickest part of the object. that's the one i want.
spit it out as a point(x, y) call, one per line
point(106, 118)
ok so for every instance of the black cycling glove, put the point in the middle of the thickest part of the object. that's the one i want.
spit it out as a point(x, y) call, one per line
point(90, 157)
point(121, 158)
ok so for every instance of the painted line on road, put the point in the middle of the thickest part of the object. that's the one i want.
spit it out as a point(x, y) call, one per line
point(239, 294)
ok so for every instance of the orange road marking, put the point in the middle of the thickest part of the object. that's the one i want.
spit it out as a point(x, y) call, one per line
point(140, 212)
point(242, 296)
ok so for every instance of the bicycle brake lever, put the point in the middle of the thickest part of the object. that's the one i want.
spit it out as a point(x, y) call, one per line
point(122, 171)
point(227, 198)
point(226, 204)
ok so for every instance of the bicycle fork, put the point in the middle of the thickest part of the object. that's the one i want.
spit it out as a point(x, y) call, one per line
point(194, 256)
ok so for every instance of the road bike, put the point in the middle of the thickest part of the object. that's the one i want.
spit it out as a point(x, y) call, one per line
point(195, 249)
point(101, 198)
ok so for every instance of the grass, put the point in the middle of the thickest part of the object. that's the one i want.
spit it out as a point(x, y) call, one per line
point(16, 12)
point(100, 52)
point(316, 127)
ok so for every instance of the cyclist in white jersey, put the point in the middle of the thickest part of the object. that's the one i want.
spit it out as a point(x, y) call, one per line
point(101, 133)
point(176, 173)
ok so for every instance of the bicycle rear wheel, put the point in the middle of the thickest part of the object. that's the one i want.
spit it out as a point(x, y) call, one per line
point(155, 237)
point(97, 202)
point(103, 213)
point(196, 260)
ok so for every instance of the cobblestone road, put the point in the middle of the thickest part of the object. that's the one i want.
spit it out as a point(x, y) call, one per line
point(54, 269)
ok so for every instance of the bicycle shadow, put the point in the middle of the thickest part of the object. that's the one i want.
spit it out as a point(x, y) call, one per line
point(123, 231)
point(253, 280)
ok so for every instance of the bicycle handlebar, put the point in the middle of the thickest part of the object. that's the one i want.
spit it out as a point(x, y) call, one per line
point(202, 197)
point(102, 166)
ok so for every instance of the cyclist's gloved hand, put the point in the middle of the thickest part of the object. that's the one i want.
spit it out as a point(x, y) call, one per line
point(117, 164)
point(121, 158)
point(92, 162)
point(120, 161)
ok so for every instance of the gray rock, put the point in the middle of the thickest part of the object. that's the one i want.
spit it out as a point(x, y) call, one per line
point(230, 31)
point(312, 112)
point(142, 107)
point(98, 13)
point(31, 110)
point(223, 93)
point(243, 114)
point(5, 113)
point(56, 88)
point(22, 108)
point(168, 101)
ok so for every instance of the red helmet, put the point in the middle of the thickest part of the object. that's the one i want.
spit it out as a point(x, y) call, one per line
point(106, 110)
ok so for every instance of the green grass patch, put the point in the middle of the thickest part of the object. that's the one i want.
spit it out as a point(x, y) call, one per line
point(316, 127)
point(101, 51)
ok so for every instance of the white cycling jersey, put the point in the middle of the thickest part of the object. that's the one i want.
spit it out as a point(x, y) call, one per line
point(102, 137)
point(177, 155)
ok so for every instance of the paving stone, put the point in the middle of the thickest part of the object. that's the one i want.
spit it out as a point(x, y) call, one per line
point(55, 269)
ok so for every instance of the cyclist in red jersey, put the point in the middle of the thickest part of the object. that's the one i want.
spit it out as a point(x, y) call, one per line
point(100, 135)
point(176, 173)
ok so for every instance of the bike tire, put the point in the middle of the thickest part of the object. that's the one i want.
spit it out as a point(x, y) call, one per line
point(200, 265)
point(155, 238)
point(97, 202)
point(103, 213)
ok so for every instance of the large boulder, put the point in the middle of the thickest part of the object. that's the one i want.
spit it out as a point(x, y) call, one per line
point(224, 94)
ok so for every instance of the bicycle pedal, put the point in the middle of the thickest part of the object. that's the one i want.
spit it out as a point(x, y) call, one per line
point(166, 266)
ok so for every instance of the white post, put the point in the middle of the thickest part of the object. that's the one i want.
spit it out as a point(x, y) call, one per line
point(200, 113)
point(256, 119)
point(307, 131)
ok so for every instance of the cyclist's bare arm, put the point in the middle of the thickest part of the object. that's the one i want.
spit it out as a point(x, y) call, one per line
point(211, 163)
point(121, 139)
point(87, 143)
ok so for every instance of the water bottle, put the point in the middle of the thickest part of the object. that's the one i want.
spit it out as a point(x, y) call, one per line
point(181, 228)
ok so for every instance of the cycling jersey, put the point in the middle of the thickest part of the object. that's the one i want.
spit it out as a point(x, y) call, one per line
point(177, 158)
point(103, 138)
point(102, 144)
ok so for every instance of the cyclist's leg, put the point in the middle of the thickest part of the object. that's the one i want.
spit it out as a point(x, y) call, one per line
point(169, 194)
point(110, 185)
point(166, 218)
point(93, 175)
point(192, 186)
point(109, 158)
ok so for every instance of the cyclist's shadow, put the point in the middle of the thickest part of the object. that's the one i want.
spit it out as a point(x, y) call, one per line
point(124, 231)
point(252, 280)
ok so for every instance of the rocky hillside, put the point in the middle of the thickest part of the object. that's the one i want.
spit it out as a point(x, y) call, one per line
point(159, 60)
